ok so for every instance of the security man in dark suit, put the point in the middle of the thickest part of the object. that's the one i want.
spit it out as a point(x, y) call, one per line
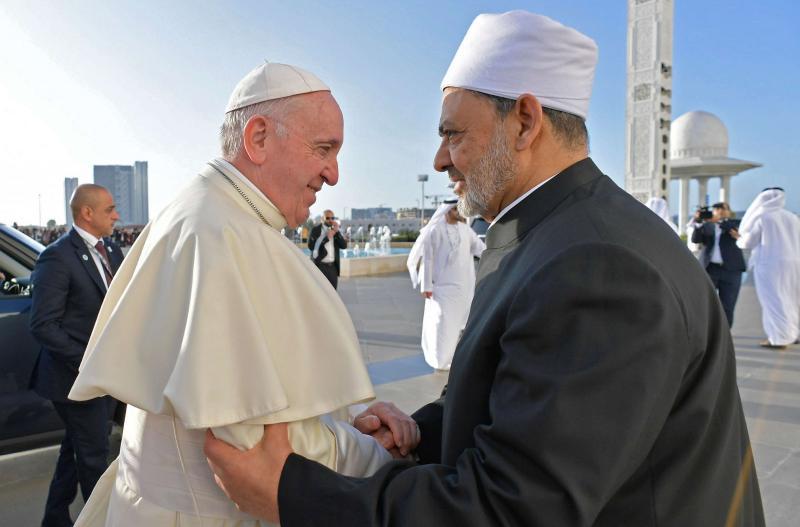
point(69, 283)
point(722, 258)
point(324, 242)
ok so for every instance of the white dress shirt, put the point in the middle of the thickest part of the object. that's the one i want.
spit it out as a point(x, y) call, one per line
point(516, 201)
point(90, 241)
point(330, 255)
point(716, 254)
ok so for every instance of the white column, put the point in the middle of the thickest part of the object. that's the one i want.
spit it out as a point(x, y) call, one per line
point(683, 215)
point(702, 190)
point(725, 189)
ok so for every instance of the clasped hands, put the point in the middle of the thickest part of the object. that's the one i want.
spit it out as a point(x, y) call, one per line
point(250, 478)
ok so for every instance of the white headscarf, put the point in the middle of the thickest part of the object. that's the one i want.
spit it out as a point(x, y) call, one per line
point(767, 201)
point(415, 256)
point(661, 208)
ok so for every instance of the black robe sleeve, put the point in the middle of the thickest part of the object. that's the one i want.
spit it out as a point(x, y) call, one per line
point(591, 362)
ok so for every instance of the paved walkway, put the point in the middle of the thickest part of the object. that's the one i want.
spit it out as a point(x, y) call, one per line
point(387, 313)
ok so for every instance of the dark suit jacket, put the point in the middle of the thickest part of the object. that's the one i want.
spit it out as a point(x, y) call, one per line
point(67, 294)
point(338, 242)
point(594, 384)
point(732, 257)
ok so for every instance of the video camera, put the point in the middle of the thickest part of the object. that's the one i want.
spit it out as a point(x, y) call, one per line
point(704, 213)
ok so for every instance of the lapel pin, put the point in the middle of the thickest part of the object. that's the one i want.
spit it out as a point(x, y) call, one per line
point(108, 248)
point(85, 258)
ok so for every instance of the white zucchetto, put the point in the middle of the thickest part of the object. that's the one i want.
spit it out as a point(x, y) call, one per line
point(519, 52)
point(273, 81)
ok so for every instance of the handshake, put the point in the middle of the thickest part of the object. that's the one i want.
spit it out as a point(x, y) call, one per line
point(393, 429)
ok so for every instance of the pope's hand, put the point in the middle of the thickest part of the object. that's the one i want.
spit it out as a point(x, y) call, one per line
point(250, 478)
point(427, 294)
point(390, 426)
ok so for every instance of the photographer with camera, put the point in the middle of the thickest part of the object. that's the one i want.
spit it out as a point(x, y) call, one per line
point(717, 232)
point(324, 242)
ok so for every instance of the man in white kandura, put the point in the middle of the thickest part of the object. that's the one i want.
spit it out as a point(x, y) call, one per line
point(661, 208)
point(773, 235)
point(444, 253)
point(206, 324)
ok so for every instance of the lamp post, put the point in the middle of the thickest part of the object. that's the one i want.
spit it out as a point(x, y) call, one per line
point(422, 178)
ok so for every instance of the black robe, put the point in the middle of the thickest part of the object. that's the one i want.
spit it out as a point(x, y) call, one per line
point(595, 384)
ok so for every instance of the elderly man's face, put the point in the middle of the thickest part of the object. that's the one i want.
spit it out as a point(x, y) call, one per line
point(306, 158)
point(474, 152)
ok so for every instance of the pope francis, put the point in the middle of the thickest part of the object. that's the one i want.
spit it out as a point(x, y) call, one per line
point(206, 323)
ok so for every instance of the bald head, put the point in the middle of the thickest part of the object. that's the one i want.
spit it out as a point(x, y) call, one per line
point(93, 209)
point(86, 195)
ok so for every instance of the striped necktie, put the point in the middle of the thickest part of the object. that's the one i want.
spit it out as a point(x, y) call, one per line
point(104, 258)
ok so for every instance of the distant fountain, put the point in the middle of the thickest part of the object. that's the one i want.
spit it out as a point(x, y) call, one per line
point(373, 238)
point(377, 241)
point(386, 240)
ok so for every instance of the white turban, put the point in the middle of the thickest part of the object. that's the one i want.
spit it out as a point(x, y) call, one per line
point(273, 81)
point(518, 52)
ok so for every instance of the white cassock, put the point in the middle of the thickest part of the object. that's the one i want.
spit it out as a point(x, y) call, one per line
point(448, 271)
point(215, 320)
point(773, 235)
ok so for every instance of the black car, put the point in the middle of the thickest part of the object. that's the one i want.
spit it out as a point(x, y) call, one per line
point(26, 420)
point(480, 226)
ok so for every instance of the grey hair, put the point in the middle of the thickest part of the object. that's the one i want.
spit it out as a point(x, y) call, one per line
point(569, 128)
point(232, 129)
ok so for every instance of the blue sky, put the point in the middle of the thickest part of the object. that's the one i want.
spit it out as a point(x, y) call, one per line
point(109, 82)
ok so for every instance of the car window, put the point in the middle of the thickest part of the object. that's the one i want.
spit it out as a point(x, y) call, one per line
point(479, 225)
point(11, 285)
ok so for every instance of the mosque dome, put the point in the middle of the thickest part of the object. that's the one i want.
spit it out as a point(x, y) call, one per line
point(698, 134)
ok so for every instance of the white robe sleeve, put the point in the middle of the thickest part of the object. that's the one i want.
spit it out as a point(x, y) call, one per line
point(477, 246)
point(750, 238)
point(428, 262)
point(327, 440)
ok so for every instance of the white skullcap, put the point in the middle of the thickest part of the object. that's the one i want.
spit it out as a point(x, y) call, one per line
point(519, 52)
point(273, 81)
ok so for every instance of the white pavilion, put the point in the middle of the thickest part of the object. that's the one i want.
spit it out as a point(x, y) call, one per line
point(699, 144)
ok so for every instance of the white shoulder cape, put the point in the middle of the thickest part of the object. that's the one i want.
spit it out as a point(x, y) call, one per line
point(216, 318)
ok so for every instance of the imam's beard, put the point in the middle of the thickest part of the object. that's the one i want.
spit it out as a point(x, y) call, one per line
point(492, 174)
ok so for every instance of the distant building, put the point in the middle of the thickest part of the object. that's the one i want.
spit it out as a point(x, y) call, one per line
point(372, 213)
point(128, 185)
point(139, 195)
point(413, 212)
point(70, 184)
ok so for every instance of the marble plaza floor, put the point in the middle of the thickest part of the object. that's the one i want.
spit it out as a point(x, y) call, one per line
point(387, 314)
